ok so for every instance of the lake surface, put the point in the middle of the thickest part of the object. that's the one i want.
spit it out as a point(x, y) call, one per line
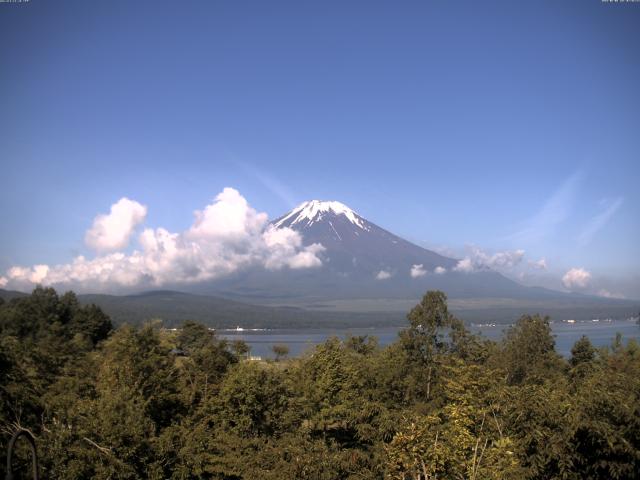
point(601, 333)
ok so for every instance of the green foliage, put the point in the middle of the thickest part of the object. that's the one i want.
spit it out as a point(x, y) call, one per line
point(363, 344)
point(201, 365)
point(280, 350)
point(606, 435)
point(240, 348)
point(423, 341)
point(253, 400)
point(529, 351)
point(143, 402)
point(193, 336)
point(452, 444)
point(582, 352)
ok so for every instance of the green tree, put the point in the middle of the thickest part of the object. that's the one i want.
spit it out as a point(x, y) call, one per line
point(240, 348)
point(449, 446)
point(582, 352)
point(280, 351)
point(606, 429)
point(582, 360)
point(253, 400)
point(194, 335)
point(363, 344)
point(207, 360)
point(91, 322)
point(529, 350)
point(424, 340)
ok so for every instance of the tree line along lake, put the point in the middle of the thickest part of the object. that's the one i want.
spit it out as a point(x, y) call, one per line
point(601, 332)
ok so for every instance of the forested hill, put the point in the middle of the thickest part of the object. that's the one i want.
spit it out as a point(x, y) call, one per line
point(144, 402)
point(10, 294)
point(175, 307)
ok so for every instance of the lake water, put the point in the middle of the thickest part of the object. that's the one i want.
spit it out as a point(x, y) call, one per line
point(601, 333)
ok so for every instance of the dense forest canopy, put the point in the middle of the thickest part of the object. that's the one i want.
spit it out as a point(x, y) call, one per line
point(144, 402)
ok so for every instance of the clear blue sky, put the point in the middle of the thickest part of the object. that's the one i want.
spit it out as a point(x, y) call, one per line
point(506, 125)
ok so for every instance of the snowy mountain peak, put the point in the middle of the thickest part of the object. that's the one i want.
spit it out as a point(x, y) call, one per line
point(313, 211)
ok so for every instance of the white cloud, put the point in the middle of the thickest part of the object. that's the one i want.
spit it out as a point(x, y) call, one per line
point(383, 275)
point(3, 281)
point(35, 275)
point(606, 293)
point(226, 236)
point(506, 259)
point(464, 265)
point(599, 221)
point(113, 231)
point(576, 278)
point(440, 270)
point(418, 271)
point(39, 273)
point(229, 218)
point(538, 264)
point(284, 245)
point(307, 258)
point(480, 260)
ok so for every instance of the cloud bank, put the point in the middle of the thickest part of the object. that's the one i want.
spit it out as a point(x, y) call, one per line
point(478, 259)
point(226, 236)
point(607, 294)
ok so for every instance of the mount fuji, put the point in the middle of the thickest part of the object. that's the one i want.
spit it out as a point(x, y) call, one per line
point(358, 248)
point(364, 261)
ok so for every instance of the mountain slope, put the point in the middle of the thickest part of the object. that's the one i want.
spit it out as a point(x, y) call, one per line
point(363, 260)
point(174, 307)
point(355, 245)
point(7, 295)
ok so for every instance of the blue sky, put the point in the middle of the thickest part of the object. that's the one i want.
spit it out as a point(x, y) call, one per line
point(502, 125)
